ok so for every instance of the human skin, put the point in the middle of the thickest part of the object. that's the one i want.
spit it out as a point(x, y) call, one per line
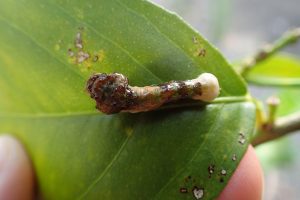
point(247, 181)
point(17, 176)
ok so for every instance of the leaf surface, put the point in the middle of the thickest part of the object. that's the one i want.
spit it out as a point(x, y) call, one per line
point(279, 70)
point(79, 153)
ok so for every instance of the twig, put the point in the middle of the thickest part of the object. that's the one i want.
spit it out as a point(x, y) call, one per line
point(282, 126)
point(268, 50)
point(273, 102)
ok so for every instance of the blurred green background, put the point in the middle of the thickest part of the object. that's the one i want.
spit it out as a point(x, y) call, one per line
point(238, 28)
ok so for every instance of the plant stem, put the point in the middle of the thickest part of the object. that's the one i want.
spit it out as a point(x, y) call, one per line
point(282, 126)
point(268, 50)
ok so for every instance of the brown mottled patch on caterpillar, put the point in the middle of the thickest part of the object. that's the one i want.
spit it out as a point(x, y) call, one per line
point(113, 94)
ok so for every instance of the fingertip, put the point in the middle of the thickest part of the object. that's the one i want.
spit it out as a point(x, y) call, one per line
point(16, 174)
point(247, 181)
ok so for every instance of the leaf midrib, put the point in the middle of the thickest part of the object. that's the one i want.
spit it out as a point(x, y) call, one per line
point(220, 100)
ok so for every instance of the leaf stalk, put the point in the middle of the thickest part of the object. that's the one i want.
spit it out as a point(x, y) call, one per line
point(281, 127)
point(288, 38)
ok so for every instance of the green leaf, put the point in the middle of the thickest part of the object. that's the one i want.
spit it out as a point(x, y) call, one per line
point(289, 101)
point(79, 153)
point(279, 70)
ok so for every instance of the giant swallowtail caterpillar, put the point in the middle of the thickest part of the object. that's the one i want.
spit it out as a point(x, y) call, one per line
point(113, 94)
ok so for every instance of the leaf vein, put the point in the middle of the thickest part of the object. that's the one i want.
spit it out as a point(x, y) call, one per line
point(217, 118)
point(14, 26)
point(163, 34)
point(104, 172)
point(108, 40)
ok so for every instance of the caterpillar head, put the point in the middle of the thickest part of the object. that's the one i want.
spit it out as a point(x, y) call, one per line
point(110, 91)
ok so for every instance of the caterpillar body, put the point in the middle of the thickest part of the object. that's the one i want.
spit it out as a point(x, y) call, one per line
point(113, 94)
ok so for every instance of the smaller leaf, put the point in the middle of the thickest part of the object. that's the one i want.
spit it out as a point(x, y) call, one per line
point(289, 98)
point(280, 70)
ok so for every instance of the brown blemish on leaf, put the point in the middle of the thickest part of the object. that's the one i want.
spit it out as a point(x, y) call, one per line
point(82, 57)
point(71, 53)
point(187, 179)
point(201, 52)
point(195, 40)
point(191, 186)
point(78, 41)
point(183, 190)
point(234, 157)
point(198, 49)
point(95, 58)
point(211, 170)
point(98, 56)
point(223, 172)
point(242, 138)
point(198, 192)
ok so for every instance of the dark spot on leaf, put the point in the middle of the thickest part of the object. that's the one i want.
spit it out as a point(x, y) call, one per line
point(234, 157)
point(223, 172)
point(198, 192)
point(187, 179)
point(71, 53)
point(242, 138)
point(201, 52)
point(82, 56)
point(95, 58)
point(211, 169)
point(195, 40)
point(78, 41)
point(183, 190)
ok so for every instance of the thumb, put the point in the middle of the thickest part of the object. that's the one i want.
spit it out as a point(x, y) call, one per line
point(16, 175)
